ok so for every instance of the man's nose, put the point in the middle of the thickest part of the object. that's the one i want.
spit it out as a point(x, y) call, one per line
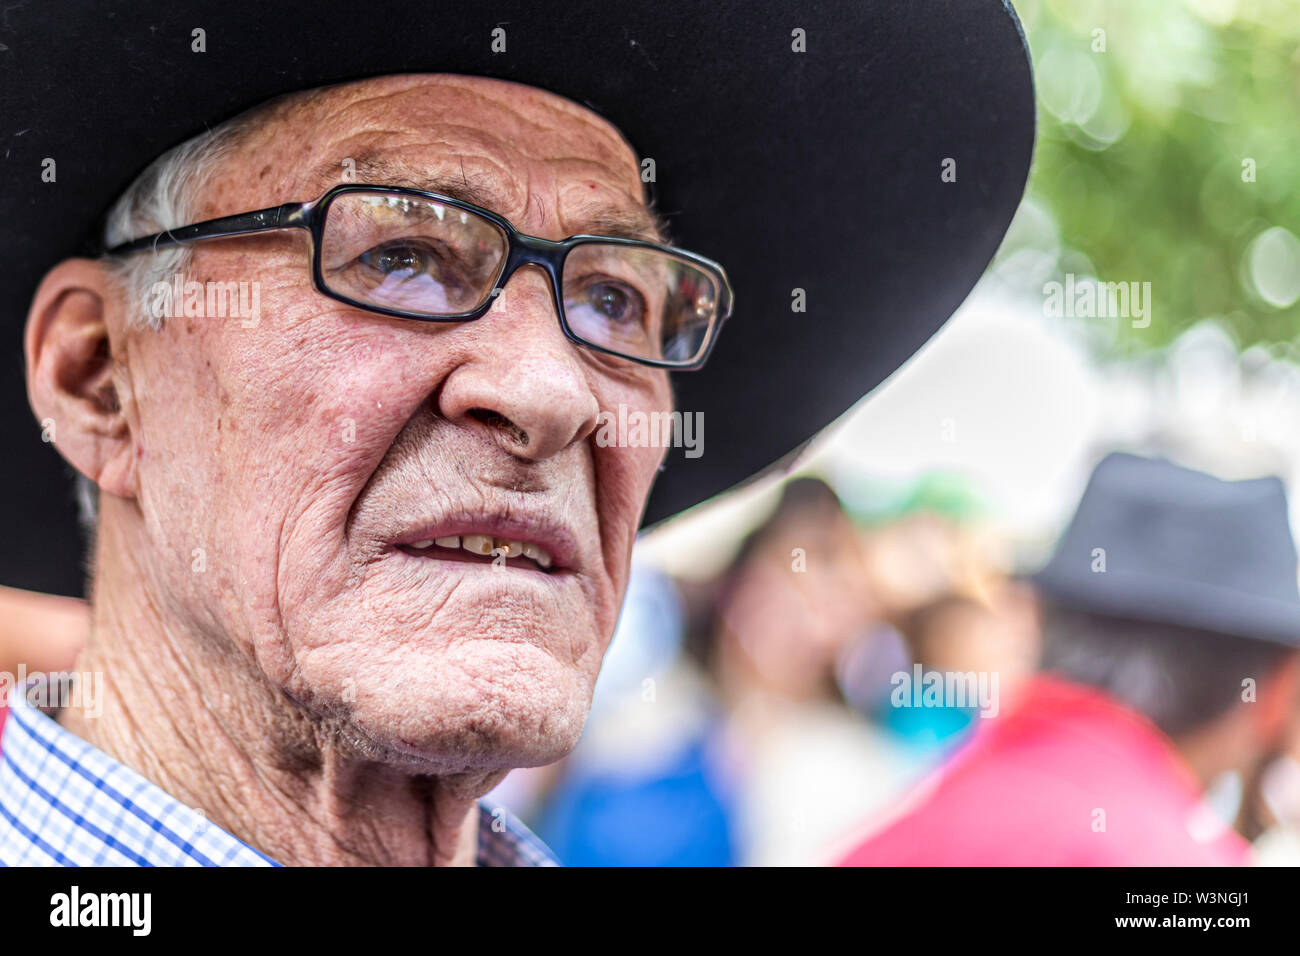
point(522, 382)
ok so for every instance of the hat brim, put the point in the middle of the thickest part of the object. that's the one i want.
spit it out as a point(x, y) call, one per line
point(870, 176)
point(1160, 600)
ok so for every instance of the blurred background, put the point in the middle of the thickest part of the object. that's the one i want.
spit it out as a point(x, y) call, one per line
point(743, 714)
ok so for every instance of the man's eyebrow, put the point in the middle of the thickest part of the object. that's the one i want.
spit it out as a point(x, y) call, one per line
point(642, 224)
point(378, 171)
point(638, 223)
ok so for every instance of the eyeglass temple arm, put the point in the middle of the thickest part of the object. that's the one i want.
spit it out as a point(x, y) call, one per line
point(294, 214)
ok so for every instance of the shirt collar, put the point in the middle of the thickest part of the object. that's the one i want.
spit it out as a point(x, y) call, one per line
point(64, 802)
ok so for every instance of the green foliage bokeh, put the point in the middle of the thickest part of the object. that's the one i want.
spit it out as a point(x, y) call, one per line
point(1154, 115)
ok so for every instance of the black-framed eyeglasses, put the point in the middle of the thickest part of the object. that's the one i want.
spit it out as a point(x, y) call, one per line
point(420, 255)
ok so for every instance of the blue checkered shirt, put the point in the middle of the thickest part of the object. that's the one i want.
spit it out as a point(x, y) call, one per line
point(65, 803)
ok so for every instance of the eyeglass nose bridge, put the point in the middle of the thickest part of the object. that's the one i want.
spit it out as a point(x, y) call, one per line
point(531, 250)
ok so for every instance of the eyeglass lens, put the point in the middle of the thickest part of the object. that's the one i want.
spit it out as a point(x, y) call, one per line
point(418, 255)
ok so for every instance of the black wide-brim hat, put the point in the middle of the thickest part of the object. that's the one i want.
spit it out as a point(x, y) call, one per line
point(876, 169)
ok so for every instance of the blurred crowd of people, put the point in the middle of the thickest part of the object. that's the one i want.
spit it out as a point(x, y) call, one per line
point(768, 716)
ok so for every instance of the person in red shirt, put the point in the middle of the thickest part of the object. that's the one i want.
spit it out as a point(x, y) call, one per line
point(1170, 670)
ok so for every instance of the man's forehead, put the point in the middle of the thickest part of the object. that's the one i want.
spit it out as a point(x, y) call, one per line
point(393, 131)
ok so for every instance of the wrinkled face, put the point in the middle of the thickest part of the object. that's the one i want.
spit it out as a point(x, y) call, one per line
point(301, 464)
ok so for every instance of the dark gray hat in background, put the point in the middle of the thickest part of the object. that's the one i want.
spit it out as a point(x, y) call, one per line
point(1157, 542)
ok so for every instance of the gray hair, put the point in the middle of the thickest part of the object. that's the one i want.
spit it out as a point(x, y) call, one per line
point(161, 197)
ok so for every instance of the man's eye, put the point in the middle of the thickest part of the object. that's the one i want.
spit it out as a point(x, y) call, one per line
point(615, 302)
point(402, 257)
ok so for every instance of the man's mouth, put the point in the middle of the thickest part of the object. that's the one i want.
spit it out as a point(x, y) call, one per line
point(482, 549)
point(520, 537)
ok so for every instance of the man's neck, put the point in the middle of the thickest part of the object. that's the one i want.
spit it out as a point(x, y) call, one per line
point(201, 722)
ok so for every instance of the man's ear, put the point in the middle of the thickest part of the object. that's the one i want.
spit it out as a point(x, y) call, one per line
point(71, 374)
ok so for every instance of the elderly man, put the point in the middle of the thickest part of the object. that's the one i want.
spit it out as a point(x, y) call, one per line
point(361, 541)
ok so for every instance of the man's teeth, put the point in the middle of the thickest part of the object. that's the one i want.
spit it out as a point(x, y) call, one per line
point(485, 544)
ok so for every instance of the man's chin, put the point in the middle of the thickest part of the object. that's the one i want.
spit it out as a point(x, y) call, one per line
point(490, 722)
